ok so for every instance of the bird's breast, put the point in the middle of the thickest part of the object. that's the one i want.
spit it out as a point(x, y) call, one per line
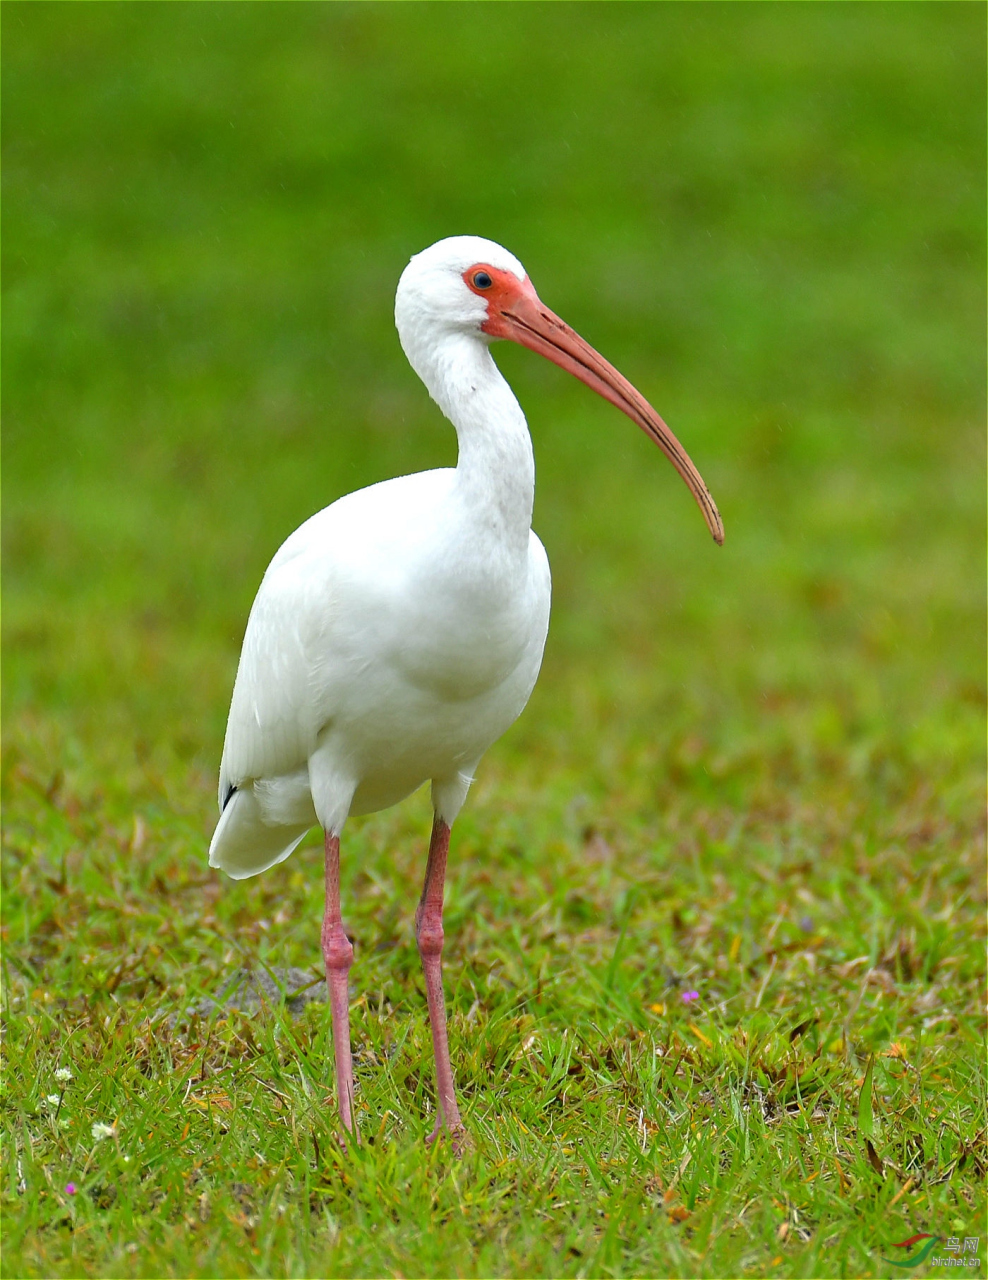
point(463, 637)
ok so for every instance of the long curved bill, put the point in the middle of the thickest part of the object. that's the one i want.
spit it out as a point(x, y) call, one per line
point(524, 319)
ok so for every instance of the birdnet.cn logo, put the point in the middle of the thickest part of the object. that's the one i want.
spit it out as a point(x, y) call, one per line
point(955, 1252)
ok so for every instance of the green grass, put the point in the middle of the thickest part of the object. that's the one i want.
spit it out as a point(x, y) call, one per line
point(755, 773)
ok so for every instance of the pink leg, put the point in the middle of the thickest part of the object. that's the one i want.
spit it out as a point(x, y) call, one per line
point(338, 955)
point(429, 932)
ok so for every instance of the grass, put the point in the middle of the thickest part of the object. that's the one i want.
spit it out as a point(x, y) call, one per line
point(754, 774)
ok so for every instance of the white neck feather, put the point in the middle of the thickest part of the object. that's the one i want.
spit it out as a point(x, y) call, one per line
point(496, 467)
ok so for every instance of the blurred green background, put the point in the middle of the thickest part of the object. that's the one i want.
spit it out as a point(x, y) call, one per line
point(770, 217)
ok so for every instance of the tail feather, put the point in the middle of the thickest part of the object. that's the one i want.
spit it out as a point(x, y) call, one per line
point(243, 844)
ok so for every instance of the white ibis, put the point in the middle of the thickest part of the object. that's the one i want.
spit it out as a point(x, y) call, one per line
point(398, 633)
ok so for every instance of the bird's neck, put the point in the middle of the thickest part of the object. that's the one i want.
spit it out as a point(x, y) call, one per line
point(495, 473)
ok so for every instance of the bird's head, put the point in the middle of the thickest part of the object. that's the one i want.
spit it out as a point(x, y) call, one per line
point(466, 285)
point(436, 290)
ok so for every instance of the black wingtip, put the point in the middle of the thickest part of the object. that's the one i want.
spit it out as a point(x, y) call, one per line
point(229, 795)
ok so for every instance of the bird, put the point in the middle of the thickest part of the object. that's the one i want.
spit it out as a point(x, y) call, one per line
point(398, 633)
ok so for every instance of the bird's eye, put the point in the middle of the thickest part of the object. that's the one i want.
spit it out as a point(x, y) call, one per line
point(482, 280)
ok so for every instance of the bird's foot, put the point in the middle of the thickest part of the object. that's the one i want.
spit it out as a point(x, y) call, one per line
point(458, 1137)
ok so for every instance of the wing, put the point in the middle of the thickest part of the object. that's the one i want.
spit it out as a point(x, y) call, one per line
point(276, 712)
point(312, 624)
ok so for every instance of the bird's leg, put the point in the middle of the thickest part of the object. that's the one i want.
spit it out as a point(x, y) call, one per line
point(429, 933)
point(338, 954)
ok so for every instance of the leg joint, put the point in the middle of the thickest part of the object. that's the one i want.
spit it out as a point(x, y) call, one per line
point(430, 937)
point(336, 948)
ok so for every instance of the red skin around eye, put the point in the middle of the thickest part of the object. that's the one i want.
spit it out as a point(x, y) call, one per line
point(504, 289)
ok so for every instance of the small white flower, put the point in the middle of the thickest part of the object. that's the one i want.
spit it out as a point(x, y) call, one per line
point(101, 1131)
point(52, 1099)
point(64, 1075)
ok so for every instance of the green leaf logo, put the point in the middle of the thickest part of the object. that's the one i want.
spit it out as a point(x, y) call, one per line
point(920, 1255)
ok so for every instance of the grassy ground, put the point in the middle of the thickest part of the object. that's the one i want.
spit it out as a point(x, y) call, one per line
point(753, 774)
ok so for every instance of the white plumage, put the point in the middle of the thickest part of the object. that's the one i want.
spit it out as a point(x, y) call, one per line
point(399, 632)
